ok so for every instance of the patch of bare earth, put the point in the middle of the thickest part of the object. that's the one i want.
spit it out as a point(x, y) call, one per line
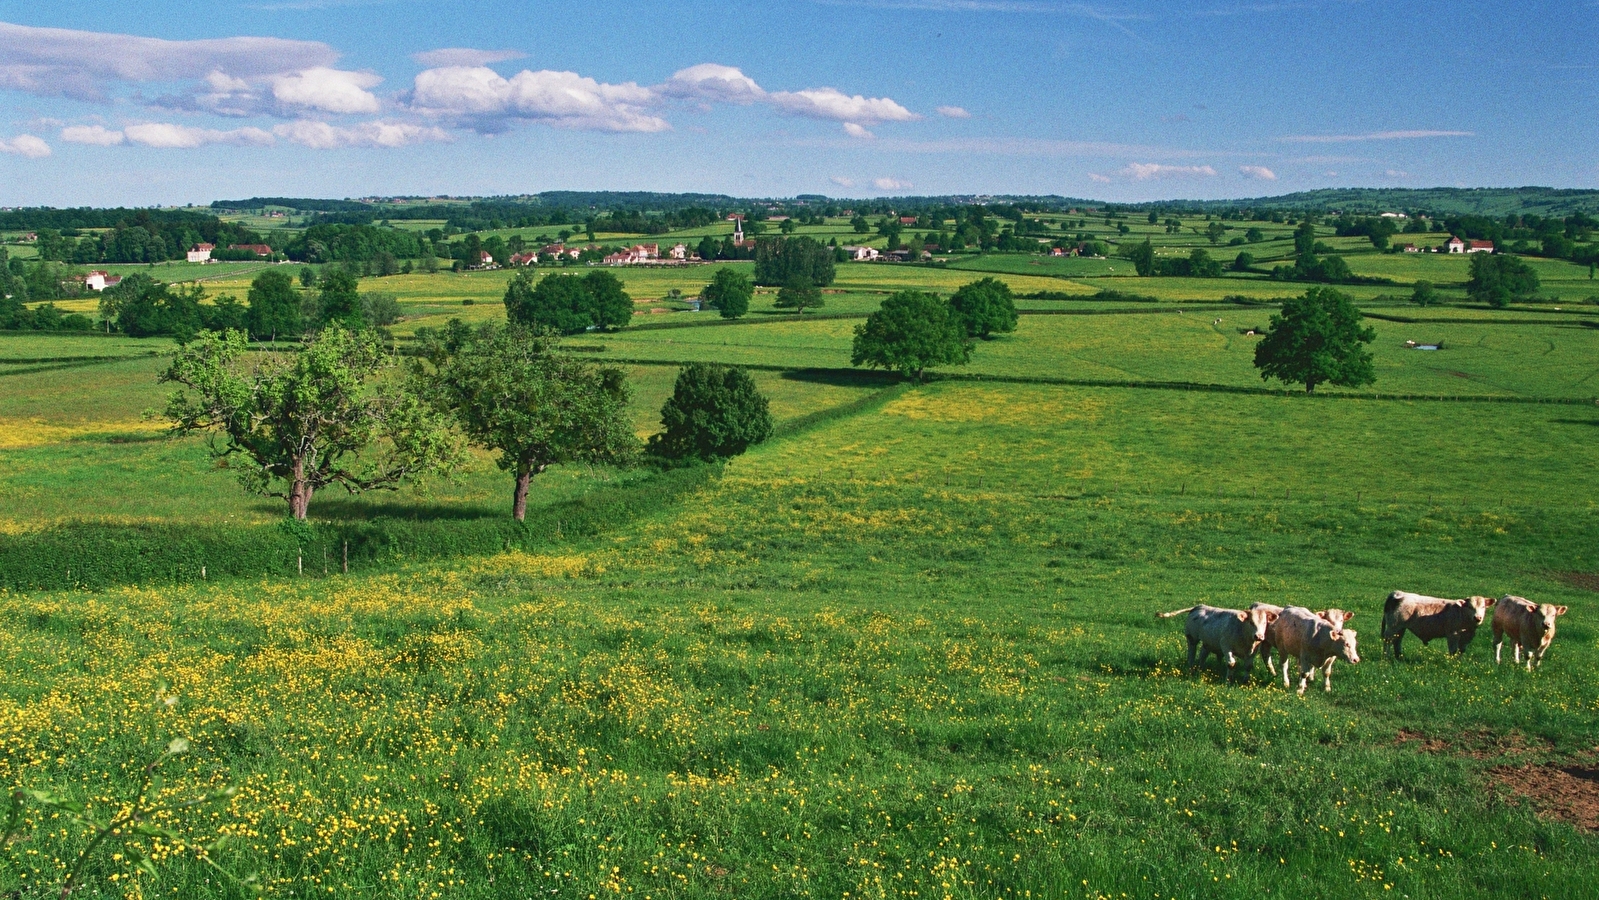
point(1568, 793)
point(1587, 581)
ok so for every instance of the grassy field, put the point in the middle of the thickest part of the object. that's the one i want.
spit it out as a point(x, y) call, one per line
point(904, 649)
point(845, 666)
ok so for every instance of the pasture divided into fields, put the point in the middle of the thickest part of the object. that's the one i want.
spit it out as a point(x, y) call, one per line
point(905, 651)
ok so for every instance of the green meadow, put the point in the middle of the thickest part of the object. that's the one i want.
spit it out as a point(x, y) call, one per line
point(906, 648)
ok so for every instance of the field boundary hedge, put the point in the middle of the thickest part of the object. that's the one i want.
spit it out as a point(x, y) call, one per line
point(1433, 320)
point(1200, 386)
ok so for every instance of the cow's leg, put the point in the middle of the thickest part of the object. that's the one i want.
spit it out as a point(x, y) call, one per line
point(1232, 665)
point(1515, 650)
point(1499, 643)
point(1304, 676)
point(1398, 639)
point(1326, 683)
point(1192, 644)
point(1454, 644)
point(1284, 662)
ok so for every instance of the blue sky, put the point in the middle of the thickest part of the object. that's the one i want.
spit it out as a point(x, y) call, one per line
point(171, 102)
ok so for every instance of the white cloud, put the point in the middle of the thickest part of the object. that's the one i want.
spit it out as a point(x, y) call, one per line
point(323, 136)
point(841, 181)
point(462, 56)
point(1372, 136)
point(856, 131)
point(81, 64)
point(709, 81)
point(1330, 174)
point(480, 98)
point(891, 184)
point(167, 136)
point(954, 112)
point(25, 145)
point(1395, 173)
point(1152, 171)
point(328, 90)
point(830, 103)
point(98, 135)
point(1260, 173)
point(1098, 178)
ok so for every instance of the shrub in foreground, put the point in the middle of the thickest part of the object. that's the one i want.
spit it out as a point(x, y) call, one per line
point(714, 411)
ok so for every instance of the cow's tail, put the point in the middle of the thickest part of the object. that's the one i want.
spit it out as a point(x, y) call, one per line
point(1175, 612)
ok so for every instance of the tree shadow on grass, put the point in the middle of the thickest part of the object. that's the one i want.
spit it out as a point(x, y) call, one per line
point(842, 377)
point(1593, 422)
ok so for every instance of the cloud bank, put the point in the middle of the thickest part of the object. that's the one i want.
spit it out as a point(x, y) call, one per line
point(299, 84)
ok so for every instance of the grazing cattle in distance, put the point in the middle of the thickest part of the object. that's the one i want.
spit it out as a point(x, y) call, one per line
point(1430, 618)
point(1531, 627)
point(1317, 643)
point(1332, 615)
point(1231, 634)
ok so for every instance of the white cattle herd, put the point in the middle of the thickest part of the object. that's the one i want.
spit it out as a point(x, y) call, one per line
point(1319, 639)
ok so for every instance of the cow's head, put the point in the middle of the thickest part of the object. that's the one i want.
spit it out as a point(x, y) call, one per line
point(1335, 617)
point(1345, 642)
point(1549, 613)
point(1478, 607)
point(1259, 618)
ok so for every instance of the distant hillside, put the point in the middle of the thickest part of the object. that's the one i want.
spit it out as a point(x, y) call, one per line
point(1541, 201)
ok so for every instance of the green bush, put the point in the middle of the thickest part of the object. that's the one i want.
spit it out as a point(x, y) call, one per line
point(714, 412)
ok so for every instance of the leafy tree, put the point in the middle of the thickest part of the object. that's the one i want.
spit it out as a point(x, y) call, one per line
point(984, 307)
point(729, 293)
point(512, 393)
point(295, 423)
point(1305, 238)
point(1254, 235)
point(1499, 278)
point(798, 294)
point(1215, 231)
point(1200, 265)
point(380, 310)
point(307, 277)
point(340, 299)
point(714, 411)
point(558, 303)
point(1317, 338)
point(1142, 256)
point(709, 246)
point(912, 332)
point(1424, 294)
point(1244, 261)
point(609, 305)
point(859, 225)
point(780, 260)
point(274, 305)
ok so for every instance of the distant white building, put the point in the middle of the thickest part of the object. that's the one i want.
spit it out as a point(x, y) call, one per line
point(201, 253)
point(1480, 247)
point(1455, 245)
point(99, 281)
point(861, 254)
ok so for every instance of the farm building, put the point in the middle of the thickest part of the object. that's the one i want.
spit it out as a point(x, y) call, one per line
point(200, 253)
point(99, 281)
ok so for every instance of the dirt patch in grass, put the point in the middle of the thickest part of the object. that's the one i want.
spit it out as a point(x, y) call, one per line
point(1588, 581)
point(1480, 744)
point(1566, 793)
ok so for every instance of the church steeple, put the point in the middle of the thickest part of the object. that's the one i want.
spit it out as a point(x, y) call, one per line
point(738, 231)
